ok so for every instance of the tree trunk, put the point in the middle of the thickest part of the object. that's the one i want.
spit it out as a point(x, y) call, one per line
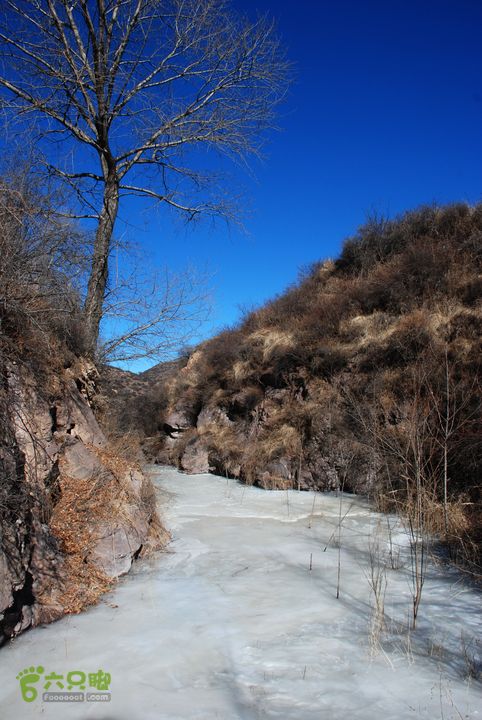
point(100, 262)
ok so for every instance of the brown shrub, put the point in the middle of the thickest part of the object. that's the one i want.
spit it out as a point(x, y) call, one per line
point(40, 262)
point(411, 337)
point(368, 327)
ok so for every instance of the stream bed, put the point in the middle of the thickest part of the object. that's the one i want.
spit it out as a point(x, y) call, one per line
point(238, 619)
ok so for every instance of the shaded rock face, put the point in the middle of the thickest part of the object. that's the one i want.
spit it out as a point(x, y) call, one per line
point(251, 438)
point(73, 516)
point(178, 420)
point(78, 462)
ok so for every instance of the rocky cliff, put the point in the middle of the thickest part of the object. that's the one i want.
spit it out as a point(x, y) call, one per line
point(74, 512)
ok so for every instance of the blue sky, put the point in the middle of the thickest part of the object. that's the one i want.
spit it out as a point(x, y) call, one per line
point(385, 114)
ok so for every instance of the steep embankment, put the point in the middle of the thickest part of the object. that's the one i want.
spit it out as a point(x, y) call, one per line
point(75, 508)
point(74, 511)
point(366, 375)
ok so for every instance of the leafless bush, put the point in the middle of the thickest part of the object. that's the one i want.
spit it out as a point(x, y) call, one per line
point(377, 579)
point(381, 239)
point(42, 261)
point(149, 314)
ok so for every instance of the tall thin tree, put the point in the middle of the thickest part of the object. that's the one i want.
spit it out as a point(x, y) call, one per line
point(134, 88)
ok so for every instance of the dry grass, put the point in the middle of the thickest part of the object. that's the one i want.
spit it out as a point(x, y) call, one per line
point(242, 370)
point(403, 297)
point(83, 511)
point(377, 579)
point(83, 505)
point(362, 330)
point(271, 341)
point(124, 452)
point(82, 585)
point(262, 455)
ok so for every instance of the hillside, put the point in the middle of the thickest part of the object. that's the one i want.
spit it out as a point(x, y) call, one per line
point(364, 375)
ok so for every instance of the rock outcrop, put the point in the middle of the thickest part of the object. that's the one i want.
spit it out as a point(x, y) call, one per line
point(74, 511)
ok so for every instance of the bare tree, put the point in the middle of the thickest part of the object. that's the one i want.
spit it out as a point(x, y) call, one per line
point(126, 92)
point(151, 313)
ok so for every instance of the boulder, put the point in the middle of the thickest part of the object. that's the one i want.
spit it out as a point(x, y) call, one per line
point(78, 461)
point(113, 553)
point(178, 419)
point(195, 458)
point(276, 474)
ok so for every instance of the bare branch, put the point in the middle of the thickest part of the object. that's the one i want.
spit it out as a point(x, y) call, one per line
point(151, 315)
point(141, 83)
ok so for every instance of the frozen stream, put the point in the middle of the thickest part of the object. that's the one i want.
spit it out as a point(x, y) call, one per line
point(230, 623)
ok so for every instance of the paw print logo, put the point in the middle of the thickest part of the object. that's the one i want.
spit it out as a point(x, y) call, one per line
point(28, 677)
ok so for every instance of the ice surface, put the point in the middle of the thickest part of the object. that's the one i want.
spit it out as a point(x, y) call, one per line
point(230, 623)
